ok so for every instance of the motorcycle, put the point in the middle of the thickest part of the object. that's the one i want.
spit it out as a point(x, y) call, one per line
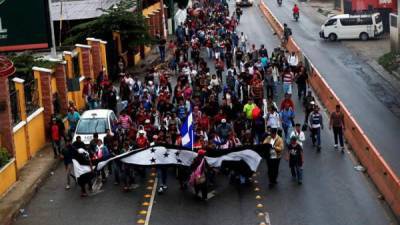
point(279, 2)
point(296, 16)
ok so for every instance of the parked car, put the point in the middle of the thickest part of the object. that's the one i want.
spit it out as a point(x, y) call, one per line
point(347, 26)
point(95, 121)
point(244, 2)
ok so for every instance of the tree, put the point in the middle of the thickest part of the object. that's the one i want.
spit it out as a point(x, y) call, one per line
point(24, 62)
point(131, 26)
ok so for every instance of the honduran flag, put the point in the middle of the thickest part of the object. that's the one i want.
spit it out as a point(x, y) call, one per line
point(187, 131)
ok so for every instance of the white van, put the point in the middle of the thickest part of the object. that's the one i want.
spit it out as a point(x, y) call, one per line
point(346, 26)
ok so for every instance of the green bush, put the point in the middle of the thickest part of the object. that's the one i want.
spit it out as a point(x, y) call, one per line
point(388, 61)
point(4, 156)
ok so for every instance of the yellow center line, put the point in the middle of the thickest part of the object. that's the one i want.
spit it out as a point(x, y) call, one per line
point(153, 194)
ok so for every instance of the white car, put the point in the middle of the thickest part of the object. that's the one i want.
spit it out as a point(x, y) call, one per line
point(94, 121)
point(244, 2)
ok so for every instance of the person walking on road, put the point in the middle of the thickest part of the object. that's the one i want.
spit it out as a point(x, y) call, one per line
point(248, 109)
point(274, 158)
point(296, 160)
point(308, 104)
point(316, 124)
point(68, 153)
point(297, 133)
point(73, 118)
point(243, 42)
point(287, 78)
point(199, 176)
point(293, 61)
point(56, 134)
point(287, 117)
point(336, 123)
point(301, 81)
point(161, 47)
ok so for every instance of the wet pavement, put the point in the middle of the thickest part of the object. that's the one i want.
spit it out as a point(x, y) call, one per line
point(371, 100)
point(333, 192)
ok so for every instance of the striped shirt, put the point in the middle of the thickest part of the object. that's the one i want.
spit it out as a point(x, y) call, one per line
point(125, 121)
point(288, 78)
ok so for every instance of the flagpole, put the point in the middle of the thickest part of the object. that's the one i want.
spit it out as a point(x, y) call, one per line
point(192, 140)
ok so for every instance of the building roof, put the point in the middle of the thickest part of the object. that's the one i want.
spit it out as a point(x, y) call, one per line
point(79, 9)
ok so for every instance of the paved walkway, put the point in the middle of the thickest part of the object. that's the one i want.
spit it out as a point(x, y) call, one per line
point(29, 181)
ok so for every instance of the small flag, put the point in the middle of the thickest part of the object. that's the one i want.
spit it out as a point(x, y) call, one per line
point(187, 131)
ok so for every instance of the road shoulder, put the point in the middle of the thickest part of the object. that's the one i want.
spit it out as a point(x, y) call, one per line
point(30, 178)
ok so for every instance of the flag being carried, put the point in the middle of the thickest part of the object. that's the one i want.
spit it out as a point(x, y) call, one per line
point(187, 131)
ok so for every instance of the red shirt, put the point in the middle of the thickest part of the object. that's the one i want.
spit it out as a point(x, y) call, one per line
point(287, 101)
point(55, 134)
point(296, 9)
point(204, 123)
point(142, 142)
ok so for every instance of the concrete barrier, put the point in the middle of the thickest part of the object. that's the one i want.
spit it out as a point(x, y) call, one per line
point(381, 174)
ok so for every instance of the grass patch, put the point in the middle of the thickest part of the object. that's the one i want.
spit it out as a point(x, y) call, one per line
point(390, 61)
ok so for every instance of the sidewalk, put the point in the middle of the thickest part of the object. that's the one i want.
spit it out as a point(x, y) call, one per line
point(30, 178)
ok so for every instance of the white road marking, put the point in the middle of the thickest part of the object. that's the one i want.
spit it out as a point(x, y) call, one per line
point(267, 220)
point(153, 194)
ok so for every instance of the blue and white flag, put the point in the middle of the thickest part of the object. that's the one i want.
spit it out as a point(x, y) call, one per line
point(187, 131)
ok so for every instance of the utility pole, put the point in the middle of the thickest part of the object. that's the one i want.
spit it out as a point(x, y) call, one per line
point(53, 38)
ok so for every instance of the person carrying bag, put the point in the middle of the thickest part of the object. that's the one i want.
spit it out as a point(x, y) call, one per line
point(198, 178)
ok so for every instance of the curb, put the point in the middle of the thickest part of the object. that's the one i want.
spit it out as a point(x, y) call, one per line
point(29, 193)
point(393, 79)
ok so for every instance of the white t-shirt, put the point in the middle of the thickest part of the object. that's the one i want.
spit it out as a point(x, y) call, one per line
point(129, 81)
point(292, 60)
point(273, 120)
point(300, 137)
point(243, 38)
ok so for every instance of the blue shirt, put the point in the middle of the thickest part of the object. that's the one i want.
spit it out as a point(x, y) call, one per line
point(287, 116)
point(264, 61)
point(73, 119)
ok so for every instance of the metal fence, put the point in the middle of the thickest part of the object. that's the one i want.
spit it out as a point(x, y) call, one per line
point(31, 96)
point(15, 109)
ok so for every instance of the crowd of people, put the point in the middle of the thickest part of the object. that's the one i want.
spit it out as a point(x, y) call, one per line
point(230, 86)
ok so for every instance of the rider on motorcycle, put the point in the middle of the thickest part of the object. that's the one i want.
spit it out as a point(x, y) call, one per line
point(296, 10)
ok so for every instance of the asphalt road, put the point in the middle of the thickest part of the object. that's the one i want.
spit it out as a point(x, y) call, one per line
point(373, 102)
point(333, 192)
